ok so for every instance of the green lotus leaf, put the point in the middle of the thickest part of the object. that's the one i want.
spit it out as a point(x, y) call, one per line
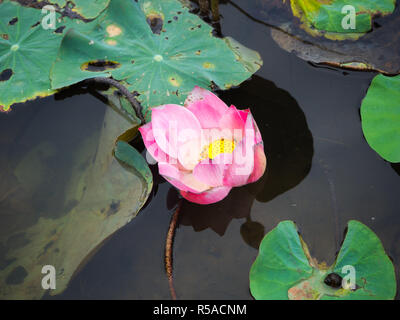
point(325, 17)
point(27, 51)
point(285, 270)
point(157, 48)
point(380, 115)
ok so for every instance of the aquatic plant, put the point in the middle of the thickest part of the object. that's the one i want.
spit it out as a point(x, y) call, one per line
point(150, 54)
point(328, 18)
point(157, 49)
point(380, 117)
point(335, 32)
point(285, 270)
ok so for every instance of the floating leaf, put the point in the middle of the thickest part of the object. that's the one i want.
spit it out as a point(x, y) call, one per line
point(285, 270)
point(378, 50)
point(380, 115)
point(324, 18)
point(157, 48)
point(27, 52)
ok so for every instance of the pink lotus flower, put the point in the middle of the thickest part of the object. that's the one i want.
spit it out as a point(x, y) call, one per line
point(205, 148)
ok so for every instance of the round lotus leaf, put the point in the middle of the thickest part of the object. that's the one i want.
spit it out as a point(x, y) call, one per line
point(380, 115)
point(28, 48)
point(285, 270)
point(25, 51)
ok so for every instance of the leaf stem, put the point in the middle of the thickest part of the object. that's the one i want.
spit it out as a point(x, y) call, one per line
point(215, 10)
point(169, 249)
point(125, 92)
point(204, 6)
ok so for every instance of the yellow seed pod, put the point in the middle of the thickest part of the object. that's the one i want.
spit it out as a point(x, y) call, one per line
point(220, 146)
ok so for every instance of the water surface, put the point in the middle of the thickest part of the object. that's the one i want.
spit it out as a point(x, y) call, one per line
point(321, 173)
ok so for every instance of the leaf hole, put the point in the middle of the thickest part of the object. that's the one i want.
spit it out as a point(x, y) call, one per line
point(4, 36)
point(100, 65)
point(155, 22)
point(195, 27)
point(6, 74)
point(35, 25)
point(59, 29)
point(13, 21)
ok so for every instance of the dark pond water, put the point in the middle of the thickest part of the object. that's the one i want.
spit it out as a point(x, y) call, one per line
point(321, 173)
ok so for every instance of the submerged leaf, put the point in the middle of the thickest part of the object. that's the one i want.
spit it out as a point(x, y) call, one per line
point(162, 52)
point(285, 270)
point(380, 117)
point(99, 196)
